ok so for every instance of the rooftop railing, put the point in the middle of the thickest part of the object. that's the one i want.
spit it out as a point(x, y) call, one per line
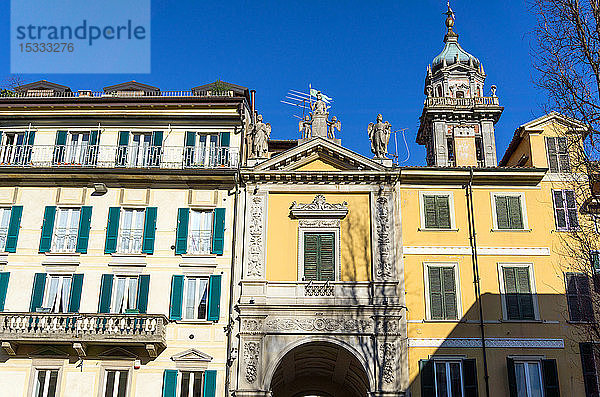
point(116, 94)
point(462, 102)
point(104, 156)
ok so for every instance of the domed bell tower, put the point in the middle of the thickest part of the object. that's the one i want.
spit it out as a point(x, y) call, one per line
point(457, 123)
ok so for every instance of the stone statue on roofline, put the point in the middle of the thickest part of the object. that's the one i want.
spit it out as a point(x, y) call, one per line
point(259, 138)
point(379, 134)
point(304, 127)
point(332, 125)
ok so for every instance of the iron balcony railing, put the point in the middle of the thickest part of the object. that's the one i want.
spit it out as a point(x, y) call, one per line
point(75, 327)
point(462, 102)
point(64, 239)
point(103, 156)
point(199, 242)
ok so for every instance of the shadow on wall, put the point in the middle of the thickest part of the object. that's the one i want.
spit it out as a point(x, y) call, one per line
point(529, 349)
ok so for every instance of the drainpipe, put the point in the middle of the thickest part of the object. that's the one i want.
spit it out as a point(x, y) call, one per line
point(473, 241)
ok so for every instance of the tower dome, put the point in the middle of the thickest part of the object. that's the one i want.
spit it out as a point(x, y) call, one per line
point(452, 52)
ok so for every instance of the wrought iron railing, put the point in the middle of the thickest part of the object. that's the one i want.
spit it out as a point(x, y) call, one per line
point(462, 102)
point(130, 241)
point(117, 94)
point(199, 242)
point(64, 240)
point(104, 156)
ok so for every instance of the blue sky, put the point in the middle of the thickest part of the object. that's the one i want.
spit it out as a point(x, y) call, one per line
point(370, 57)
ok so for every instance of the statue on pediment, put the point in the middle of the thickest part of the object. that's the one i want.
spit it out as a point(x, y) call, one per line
point(379, 134)
point(332, 125)
point(304, 126)
point(259, 138)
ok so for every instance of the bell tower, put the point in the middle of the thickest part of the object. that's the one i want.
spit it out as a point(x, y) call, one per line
point(457, 123)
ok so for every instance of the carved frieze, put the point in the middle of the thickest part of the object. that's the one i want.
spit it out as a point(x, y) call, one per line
point(319, 324)
point(324, 223)
point(387, 357)
point(384, 265)
point(255, 264)
point(319, 208)
point(251, 353)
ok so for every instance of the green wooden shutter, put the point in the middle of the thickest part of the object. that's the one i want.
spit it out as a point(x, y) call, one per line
point(169, 383)
point(37, 295)
point(61, 138)
point(552, 154)
point(112, 230)
point(426, 371)
point(157, 138)
point(470, 378)
point(76, 287)
point(105, 293)
point(326, 264)
point(83, 234)
point(442, 204)
point(436, 299)
point(4, 277)
point(515, 217)
point(525, 296)
point(149, 230)
point(550, 371)
point(572, 297)
point(142, 293)
point(512, 377)
point(94, 135)
point(176, 297)
point(183, 216)
point(47, 229)
point(13, 228)
point(214, 298)
point(564, 164)
point(123, 138)
point(190, 138)
point(225, 139)
point(430, 212)
point(449, 288)
point(210, 383)
point(31, 138)
point(588, 364)
point(311, 248)
point(502, 212)
point(218, 237)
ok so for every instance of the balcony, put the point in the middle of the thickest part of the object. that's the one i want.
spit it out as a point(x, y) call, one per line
point(461, 102)
point(103, 156)
point(82, 330)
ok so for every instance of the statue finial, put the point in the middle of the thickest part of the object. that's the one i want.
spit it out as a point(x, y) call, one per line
point(449, 23)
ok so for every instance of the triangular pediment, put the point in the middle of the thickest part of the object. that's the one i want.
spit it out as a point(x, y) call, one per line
point(43, 85)
point(317, 155)
point(553, 118)
point(117, 352)
point(131, 86)
point(49, 351)
point(191, 355)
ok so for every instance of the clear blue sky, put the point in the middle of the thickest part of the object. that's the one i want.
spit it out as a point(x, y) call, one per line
point(370, 57)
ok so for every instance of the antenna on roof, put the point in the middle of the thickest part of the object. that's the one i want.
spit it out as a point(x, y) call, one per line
point(304, 100)
point(395, 155)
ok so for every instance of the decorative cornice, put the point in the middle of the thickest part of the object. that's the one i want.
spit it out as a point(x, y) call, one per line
point(465, 250)
point(319, 208)
point(517, 343)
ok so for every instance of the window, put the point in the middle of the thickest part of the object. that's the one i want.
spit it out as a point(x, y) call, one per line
point(4, 224)
point(441, 283)
point(479, 151)
point(508, 211)
point(131, 231)
point(200, 232)
point(528, 378)
point(319, 256)
point(66, 230)
point(451, 158)
point(125, 292)
point(578, 297)
point(436, 210)
point(202, 150)
point(448, 377)
point(46, 383)
point(139, 149)
point(195, 298)
point(58, 293)
point(558, 156)
point(588, 364)
point(115, 383)
point(565, 209)
point(14, 149)
point(191, 384)
point(517, 292)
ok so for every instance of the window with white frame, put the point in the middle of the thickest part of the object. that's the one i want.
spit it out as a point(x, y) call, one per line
point(115, 383)
point(518, 292)
point(78, 148)
point(528, 376)
point(442, 291)
point(204, 151)
point(131, 230)
point(4, 223)
point(124, 295)
point(200, 231)
point(437, 210)
point(448, 378)
point(139, 151)
point(565, 209)
point(57, 293)
point(195, 298)
point(190, 384)
point(66, 228)
point(12, 148)
point(509, 211)
point(558, 154)
point(45, 383)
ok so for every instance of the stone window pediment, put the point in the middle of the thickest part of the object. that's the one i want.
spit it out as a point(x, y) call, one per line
point(319, 209)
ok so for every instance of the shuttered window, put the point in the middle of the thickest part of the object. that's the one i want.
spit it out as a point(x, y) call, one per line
point(442, 293)
point(189, 383)
point(558, 156)
point(517, 293)
point(509, 213)
point(579, 298)
point(319, 256)
point(437, 211)
point(115, 384)
point(588, 365)
point(452, 378)
point(565, 209)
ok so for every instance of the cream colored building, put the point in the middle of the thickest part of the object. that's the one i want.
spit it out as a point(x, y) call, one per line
point(116, 234)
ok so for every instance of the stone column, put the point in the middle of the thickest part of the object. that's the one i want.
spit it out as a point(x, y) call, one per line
point(489, 143)
point(440, 143)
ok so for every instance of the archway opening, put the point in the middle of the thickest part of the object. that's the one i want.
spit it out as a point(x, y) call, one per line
point(319, 369)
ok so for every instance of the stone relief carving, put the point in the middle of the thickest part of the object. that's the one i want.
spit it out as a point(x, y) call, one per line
point(382, 219)
point(252, 325)
point(387, 356)
point(387, 327)
point(255, 263)
point(319, 324)
point(319, 207)
point(319, 223)
point(379, 134)
point(251, 352)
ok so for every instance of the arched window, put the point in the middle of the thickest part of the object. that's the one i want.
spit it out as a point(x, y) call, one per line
point(439, 90)
point(460, 94)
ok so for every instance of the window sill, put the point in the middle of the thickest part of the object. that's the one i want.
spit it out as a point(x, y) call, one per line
point(581, 322)
point(195, 322)
point(198, 255)
point(535, 321)
point(511, 230)
point(436, 230)
point(62, 253)
point(120, 254)
point(428, 320)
